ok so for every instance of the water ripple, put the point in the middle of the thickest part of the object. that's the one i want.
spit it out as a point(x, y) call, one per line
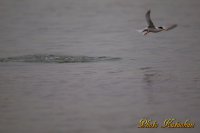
point(57, 59)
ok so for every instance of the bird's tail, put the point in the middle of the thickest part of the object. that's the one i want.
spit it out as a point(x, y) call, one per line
point(140, 31)
point(143, 31)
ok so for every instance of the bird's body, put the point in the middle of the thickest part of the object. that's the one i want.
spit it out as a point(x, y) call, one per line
point(152, 28)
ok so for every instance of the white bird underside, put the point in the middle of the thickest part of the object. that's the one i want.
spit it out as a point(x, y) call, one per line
point(152, 28)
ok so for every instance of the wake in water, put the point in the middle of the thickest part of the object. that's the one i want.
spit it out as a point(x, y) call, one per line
point(56, 59)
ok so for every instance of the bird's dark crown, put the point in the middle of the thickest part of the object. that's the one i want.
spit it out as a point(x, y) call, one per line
point(160, 27)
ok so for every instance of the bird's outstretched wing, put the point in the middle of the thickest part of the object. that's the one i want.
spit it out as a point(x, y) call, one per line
point(148, 19)
point(170, 27)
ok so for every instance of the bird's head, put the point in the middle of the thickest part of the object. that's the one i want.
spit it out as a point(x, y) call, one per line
point(161, 28)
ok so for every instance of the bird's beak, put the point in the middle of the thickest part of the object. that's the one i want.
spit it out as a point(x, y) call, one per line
point(164, 29)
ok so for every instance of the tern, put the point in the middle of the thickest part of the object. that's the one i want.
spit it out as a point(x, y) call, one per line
point(152, 28)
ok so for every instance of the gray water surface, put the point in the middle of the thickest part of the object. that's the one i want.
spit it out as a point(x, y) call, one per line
point(80, 66)
point(56, 59)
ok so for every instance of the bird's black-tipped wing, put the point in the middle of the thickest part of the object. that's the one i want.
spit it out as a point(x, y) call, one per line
point(148, 19)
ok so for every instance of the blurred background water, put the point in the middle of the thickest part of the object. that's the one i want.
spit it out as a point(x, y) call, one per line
point(155, 76)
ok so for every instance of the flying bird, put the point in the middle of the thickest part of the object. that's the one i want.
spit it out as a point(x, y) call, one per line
point(152, 28)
